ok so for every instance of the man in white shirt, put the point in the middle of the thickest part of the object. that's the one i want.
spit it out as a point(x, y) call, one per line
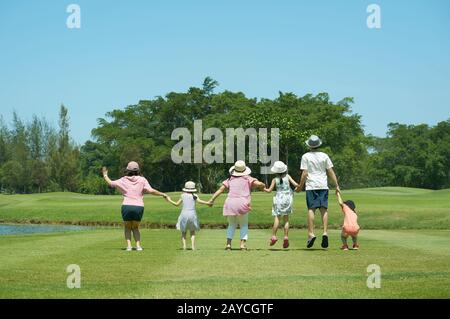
point(315, 168)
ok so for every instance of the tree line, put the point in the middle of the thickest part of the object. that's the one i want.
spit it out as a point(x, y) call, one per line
point(36, 157)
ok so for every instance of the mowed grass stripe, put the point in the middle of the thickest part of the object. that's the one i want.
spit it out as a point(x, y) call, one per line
point(437, 243)
point(378, 208)
point(164, 271)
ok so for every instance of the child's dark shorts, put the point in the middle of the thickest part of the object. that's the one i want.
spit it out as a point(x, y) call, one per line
point(317, 198)
point(132, 213)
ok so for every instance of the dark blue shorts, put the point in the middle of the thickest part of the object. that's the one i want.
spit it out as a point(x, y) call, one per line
point(132, 213)
point(317, 198)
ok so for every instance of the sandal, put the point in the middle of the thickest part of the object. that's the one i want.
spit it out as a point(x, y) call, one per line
point(244, 248)
point(285, 242)
point(228, 247)
point(273, 240)
point(310, 242)
point(324, 241)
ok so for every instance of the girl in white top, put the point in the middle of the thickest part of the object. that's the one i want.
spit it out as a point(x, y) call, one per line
point(282, 201)
point(188, 217)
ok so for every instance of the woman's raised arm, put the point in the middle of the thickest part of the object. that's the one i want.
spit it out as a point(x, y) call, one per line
point(105, 175)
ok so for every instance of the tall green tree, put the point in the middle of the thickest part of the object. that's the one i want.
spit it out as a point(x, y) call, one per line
point(64, 156)
point(37, 148)
point(20, 153)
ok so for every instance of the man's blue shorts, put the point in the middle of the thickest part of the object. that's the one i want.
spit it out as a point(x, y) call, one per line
point(317, 198)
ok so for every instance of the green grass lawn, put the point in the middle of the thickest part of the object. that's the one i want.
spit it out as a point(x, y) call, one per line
point(414, 264)
point(404, 231)
point(379, 208)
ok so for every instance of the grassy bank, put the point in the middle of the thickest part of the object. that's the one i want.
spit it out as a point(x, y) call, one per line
point(379, 208)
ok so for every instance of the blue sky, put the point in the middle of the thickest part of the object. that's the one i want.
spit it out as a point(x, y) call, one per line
point(131, 50)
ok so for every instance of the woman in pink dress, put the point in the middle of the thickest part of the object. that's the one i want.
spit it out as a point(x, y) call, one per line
point(238, 203)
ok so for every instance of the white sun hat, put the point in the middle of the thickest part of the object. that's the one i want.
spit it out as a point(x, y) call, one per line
point(240, 169)
point(314, 141)
point(278, 167)
point(189, 187)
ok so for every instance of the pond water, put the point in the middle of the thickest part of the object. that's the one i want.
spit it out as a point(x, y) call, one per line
point(6, 229)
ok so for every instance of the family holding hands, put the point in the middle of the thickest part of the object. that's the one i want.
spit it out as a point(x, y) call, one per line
point(316, 166)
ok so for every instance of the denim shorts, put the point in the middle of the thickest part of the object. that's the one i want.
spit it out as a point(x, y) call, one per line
point(317, 198)
point(132, 213)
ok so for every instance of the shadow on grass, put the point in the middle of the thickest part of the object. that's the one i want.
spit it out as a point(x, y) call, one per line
point(262, 249)
point(289, 249)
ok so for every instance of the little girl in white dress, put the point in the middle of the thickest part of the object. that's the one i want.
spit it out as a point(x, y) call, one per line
point(282, 201)
point(188, 217)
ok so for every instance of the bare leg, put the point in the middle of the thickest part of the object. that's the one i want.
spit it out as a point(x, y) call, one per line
point(344, 238)
point(276, 223)
point(324, 213)
point(136, 233)
point(311, 222)
point(183, 240)
point(193, 240)
point(127, 229)
point(286, 225)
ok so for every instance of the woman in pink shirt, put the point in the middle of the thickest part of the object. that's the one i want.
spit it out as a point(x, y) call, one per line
point(132, 186)
point(237, 205)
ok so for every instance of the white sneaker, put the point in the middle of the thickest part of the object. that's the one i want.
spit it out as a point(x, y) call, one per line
point(129, 249)
point(139, 248)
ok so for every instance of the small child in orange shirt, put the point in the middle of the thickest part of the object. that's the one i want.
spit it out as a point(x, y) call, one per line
point(350, 227)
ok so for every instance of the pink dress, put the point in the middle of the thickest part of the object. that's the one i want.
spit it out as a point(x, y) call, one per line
point(239, 195)
point(133, 189)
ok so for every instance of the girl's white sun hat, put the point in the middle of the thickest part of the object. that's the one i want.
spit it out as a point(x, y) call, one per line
point(278, 167)
point(189, 187)
point(240, 169)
